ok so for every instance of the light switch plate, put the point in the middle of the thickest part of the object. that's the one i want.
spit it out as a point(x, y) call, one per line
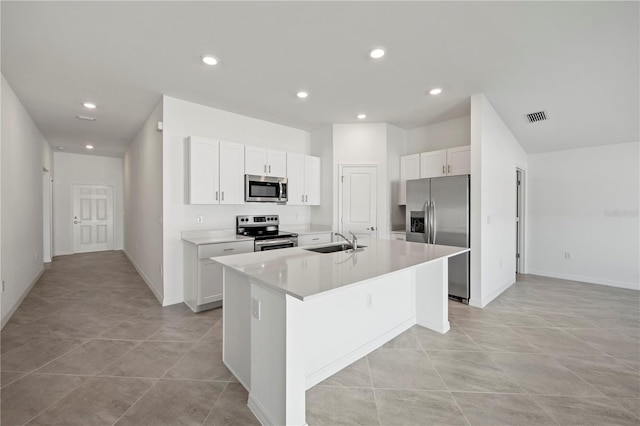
point(255, 308)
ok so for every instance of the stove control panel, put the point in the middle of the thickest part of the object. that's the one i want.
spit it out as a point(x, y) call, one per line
point(257, 220)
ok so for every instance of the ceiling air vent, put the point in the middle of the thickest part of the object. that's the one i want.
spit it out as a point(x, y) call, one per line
point(534, 117)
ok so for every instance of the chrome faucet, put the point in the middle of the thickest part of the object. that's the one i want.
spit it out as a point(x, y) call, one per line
point(354, 243)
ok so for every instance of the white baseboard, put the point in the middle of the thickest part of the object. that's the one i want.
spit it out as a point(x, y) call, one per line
point(169, 302)
point(145, 278)
point(24, 294)
point(476, 303)
point(589, 280)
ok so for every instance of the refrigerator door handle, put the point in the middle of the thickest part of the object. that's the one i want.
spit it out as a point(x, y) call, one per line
point(433, 222)
point(427, 223)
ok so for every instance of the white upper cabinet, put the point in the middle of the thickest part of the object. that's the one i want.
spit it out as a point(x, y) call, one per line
point(409, 169)
point(433, 164)
point(215, 172)
point(231, 173)
point(444, 162)
point(459, 161)
point(265, 162)
point(303, 179)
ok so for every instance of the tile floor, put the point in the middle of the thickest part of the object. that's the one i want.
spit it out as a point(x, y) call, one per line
point(91, 346)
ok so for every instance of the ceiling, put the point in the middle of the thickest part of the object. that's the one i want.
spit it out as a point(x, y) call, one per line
point(578, 61)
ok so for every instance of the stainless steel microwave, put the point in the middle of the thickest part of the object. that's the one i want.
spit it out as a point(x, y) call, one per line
point(265, 189)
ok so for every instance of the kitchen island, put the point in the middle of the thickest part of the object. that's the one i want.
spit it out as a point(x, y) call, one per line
point(294, 317)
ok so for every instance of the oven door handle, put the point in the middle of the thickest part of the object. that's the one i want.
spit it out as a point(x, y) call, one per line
point(274, 242)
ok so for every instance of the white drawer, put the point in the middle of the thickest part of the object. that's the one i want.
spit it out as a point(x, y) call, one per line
point(223, 249)
point(311, 239)
point(399, 236)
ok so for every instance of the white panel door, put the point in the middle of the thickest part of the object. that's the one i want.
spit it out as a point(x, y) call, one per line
point(358, 207)
point(203, 171)
point(409, 169)
point(459, 160)
point(231, 173)
point(433, 164)
point(312, 180)
point(92, 218)
point(295, 179)
point(255, 160)
point(276, 163)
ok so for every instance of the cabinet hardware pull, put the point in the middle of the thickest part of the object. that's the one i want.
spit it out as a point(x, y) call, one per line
point(265, 168)
point(222, 195)
point(229, 249)
point(443, 169)
point(315, 239)
point(302, 198)
point(449, 168)
point(306, 198)
point(216, 195)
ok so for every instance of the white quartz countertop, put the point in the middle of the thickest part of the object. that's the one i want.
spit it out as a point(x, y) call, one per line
point(306, 229)
point(304, 274)
point(212, 237)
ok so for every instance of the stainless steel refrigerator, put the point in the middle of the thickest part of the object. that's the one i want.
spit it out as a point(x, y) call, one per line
point(438, 213)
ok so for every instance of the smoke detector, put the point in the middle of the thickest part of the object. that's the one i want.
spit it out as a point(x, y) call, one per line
point(534, 117)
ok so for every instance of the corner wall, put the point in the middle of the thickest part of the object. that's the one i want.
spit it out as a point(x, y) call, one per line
point(83, 169)
point(585, 202)
point(495, 155)
point(142, 194)
point(24, 153)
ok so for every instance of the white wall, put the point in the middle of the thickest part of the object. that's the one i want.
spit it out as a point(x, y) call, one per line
point(363, 144)
point(585, 202)
point(142, 184)
point(495, 155)
point(89, 170)
point(183, 119)
point(24, 153)
point(396, 147)
point(321, 145)
point(447, 134)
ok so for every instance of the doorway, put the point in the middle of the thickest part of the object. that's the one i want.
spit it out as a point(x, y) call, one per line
point(92, 218)
point(520, 176)
point(357, 201)
point(47, 216)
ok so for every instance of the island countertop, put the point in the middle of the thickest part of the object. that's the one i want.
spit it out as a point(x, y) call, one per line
point(305, 274)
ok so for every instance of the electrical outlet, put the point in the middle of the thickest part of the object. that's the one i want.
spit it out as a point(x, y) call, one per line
point(200, 219)
point(567, 255)
point(255, 308)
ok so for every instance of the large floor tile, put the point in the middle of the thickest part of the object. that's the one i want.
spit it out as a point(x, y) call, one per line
point(356, 375)
point(334, 406)
point(149, 359)
point(472, 372)
point(202, 362)
point(400, 407)
point(403, 369)
point(454, 340)
point(543, 375)
point(632, 405)
point(608, 375)
point(498, 338)
point(98, 401)
point(174, 402)
point(231, 408)
point(608, 341)
point(189, 328)
point(90, 358)
point(36, 353)
point(133, 329)
point(585, 411)
point(32, 394)
point(9, 377)
point(406, 340)
point(501, 409)
point(556, 341)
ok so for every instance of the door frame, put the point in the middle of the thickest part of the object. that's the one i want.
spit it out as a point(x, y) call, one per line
point(520, 216)
point(113, 206)
point(341, 167)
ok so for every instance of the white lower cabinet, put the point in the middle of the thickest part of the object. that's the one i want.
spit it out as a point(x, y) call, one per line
point(398, 235)
point(203, 276)
point(311, 239)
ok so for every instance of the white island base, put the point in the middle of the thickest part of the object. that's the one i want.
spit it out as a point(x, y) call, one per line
point(278, 345)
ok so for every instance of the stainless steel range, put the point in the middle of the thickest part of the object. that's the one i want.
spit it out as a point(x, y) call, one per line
point(265, 231)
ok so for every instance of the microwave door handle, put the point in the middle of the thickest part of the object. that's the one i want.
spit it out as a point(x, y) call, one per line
point(280, 190)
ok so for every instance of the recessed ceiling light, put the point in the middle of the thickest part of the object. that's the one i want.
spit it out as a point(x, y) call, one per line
point(89, 147)
point(377, 53)
point(61, 148)
point(435, 91)
point(210, 60)
point(361, 116)
point(302, 95)
point(85, 117)
point(89, 105)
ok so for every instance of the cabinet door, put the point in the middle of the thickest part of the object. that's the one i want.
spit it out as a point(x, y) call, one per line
point(459, 160)
point(409, 169)
point(231, 173)
point(433, 164)
point(295, 177)
point(210, 281)
point(255, 160)
point(312, 180)
point(276, 163)
point(202, 174)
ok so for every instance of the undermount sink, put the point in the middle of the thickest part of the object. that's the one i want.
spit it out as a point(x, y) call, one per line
point(332, 249)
